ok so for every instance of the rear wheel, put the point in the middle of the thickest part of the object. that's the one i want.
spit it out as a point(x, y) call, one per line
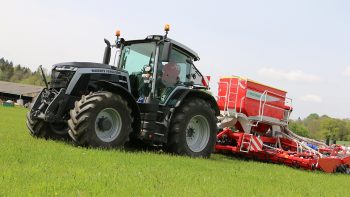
point(193, 129)
point(197, 133)
point(40, 128)
point(100, 119)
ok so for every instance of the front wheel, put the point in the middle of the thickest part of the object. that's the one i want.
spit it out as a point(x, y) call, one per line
point(193, 129)
point(42, 129)
point(100, 119)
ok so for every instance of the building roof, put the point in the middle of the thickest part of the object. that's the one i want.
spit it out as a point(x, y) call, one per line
point(19, 89)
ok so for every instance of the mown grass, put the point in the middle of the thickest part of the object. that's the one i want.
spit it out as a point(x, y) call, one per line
point(346, 143)
point(37, 167)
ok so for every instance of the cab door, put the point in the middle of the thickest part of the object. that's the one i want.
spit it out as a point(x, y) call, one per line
point(172, 74)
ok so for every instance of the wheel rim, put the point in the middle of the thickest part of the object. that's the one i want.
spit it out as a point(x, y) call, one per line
point(197, 133)
point(108, 124)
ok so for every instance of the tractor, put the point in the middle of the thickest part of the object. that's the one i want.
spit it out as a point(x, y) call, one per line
point(152, 94)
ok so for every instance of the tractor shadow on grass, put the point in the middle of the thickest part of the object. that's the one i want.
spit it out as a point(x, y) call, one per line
point(140, 146)
point(134, 146)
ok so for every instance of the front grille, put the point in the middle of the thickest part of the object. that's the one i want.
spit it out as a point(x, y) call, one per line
point(61, 78)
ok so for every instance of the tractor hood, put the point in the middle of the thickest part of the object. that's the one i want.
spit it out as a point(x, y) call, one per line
point(83, 65)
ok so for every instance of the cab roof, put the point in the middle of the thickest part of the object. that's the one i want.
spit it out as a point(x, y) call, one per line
point(179, 45)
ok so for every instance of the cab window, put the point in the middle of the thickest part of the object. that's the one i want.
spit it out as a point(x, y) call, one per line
point(138, 60)
point(136, 56)
point(174, 73)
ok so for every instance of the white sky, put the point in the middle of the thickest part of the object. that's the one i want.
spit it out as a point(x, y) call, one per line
point(299, 46)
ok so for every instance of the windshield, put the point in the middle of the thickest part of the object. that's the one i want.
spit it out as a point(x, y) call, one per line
point(135, 57)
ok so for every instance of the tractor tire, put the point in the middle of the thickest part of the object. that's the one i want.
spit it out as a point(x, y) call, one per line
point(42, 129)
point(193, 129)
point(100, 119)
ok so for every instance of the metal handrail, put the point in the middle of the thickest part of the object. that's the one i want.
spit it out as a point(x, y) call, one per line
point(263, 102)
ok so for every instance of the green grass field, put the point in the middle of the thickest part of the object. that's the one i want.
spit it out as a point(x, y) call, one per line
point(36, 167)
point(343, 143)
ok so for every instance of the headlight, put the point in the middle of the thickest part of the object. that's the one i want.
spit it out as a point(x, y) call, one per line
point(69, 68)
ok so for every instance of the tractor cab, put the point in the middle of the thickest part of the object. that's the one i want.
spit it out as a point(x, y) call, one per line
point(157, 66)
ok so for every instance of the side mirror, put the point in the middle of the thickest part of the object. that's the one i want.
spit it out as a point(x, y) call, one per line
point(107, 53)
point(166, 52)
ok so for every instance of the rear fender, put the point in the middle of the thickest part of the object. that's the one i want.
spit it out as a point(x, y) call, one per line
point(182, 94)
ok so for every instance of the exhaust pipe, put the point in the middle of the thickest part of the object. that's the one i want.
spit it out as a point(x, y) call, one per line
point(44, 77)
point(107, 54)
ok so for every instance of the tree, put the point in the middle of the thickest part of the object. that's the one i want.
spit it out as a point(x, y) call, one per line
point(6, 69)
point(312, 116)
point(299, 128)
point(35, 78)
point(321, 127)
point(334, 128)
point(312, 122)
point(19, 74)
point(348, 129)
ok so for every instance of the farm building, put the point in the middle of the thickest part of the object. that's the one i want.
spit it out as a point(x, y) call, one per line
point(14, 91)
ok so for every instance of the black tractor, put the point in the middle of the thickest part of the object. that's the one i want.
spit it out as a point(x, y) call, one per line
point(153, 94)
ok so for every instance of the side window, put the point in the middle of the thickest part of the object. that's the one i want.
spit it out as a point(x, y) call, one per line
point(171, 74)
point(175, 72)
point(196, 76)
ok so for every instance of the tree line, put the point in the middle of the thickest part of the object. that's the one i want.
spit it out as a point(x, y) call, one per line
point(19, 74)
point(322, 127)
